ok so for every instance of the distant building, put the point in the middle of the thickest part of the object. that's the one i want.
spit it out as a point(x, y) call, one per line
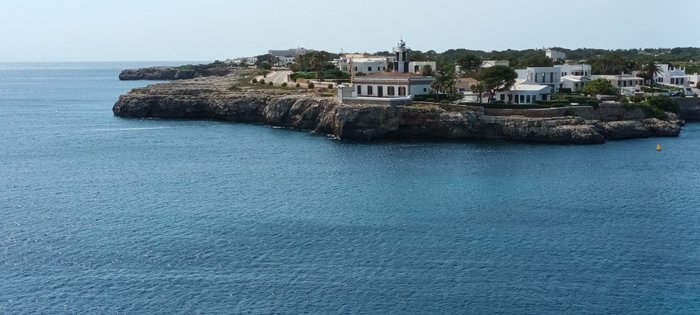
point(387, 87)
point(362, 64)
point(671, 75)
point(555, 54)
point(417, 66)
point(574, 77)
point(491, 63)
point(525, 91)
point(292, 52)
point(621, 80)
point(550, 76)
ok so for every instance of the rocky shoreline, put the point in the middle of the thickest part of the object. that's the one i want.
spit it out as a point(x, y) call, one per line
point(226, 99)
point(173, 73)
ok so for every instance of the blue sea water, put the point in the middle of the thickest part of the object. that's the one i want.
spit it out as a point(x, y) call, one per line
point(106, 215)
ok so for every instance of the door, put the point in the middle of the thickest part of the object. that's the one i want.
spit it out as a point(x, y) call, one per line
point(380, 91)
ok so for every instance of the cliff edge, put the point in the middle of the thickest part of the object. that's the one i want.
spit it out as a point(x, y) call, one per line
point(226, 99)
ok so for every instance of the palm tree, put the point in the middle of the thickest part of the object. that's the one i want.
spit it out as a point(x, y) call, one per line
point(651, 69)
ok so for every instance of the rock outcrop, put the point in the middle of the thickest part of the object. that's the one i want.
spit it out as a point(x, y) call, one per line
point(173, 73)
point(222, 99)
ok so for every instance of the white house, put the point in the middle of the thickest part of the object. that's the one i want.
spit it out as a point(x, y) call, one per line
point(550, 76)
point(574, 82)
point(555, 54)
point(417, 66)
point(367, 65)
point(621, 81)
point(525, 91)
point(387, 86)
point(671, 75)
point(574, 70)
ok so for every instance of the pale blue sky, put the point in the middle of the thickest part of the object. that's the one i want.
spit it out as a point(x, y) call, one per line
point(129, 30)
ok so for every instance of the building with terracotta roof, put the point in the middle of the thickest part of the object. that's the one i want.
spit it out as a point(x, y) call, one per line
point(399, 84)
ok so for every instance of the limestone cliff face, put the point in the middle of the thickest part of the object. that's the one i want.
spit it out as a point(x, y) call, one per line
point(204, 99)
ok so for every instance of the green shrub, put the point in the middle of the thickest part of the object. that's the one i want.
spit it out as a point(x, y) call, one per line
point(269, 83)
point(430, 99)
point(298, 85)
point(311, 85)
point(419, 98)
point(330, 86)
point(284, 84)
point(254, 80)
point(637, 99)
point(262, 81)
point(592, 103)
point(444, 101)
point(624, 100)
point(664, 103)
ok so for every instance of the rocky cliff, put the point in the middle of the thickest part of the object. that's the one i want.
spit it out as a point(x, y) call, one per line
point(222, 99)
point(173, 73)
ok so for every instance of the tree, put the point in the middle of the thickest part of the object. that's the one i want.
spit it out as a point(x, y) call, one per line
point(469, 63)
point(610, 64)
point(479, 89)
point(445, 82)
point(651, 69)
point(599, 87)
point(265, 58)
point(426, 71)
point(497, 79)
point(539, 60)
point(265, 65)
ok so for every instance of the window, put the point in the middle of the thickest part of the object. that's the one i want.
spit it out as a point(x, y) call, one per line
point(551, 77)
point(369, 69)
point(544, 97)
point(359, 90)
point(503, 97)
point(355, 69)
point(369, 90)
point(522, 99)
point(390, 91)
point(425, 90)
point(535, 79)
point(402, 91)
point(528, 99)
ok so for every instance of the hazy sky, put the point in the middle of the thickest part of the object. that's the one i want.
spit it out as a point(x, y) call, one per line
point(130, 30)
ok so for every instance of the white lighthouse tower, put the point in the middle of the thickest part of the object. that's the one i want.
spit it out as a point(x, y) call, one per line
point(401, 58)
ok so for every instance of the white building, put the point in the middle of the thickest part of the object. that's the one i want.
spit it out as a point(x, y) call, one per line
point(491, 63)
point(550, 76)
point(622, 80)
point(555, 54)
point(583, 70)
point(417, 66)
point(693, 79)
point(671, 75)
point(575, 83)
point(399, 84)
point(367, 65)
point(525, 91)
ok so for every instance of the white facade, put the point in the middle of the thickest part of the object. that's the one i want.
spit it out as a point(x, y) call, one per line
point(392, 84)
point(583, 70)
point(621, 81)
point(525, 92)
point(555, 54)
point(693, 79)
point(550, 76)
point(574, 82)
point(671, 75)
point(368, 65)
point(491, 63)
point(417, 66)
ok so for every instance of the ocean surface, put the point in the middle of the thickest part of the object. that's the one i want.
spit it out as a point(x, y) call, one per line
point(103, 215)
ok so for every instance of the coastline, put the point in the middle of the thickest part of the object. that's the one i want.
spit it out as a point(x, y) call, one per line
point(228, 99)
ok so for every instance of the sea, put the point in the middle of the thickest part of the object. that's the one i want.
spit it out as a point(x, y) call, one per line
point(104, 215)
